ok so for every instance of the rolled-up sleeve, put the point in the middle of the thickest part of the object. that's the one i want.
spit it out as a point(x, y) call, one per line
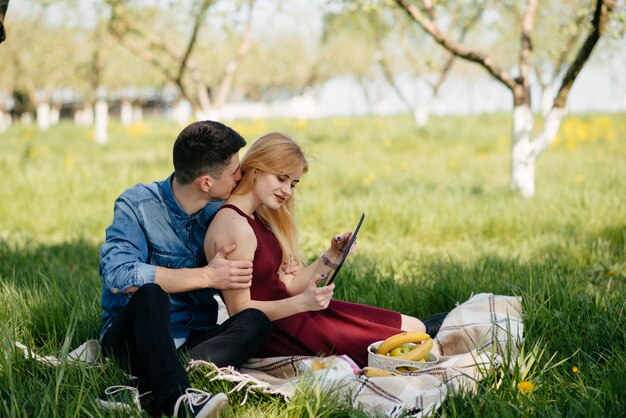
point(124, 253)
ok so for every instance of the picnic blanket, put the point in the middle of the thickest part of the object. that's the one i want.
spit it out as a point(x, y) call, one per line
point(471, 342)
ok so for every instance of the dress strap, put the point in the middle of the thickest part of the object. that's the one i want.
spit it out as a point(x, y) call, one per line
point(236, 209)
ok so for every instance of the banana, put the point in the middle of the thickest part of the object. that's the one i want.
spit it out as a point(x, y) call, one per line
point(374, 372)
point(399, 339)
point(418, 353)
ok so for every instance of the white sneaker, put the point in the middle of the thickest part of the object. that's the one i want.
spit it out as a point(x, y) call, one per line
point(196, 403)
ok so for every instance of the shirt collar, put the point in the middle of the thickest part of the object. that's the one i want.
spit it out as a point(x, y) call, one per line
point(179, 217)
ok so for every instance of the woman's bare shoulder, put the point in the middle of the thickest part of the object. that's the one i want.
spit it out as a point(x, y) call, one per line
point(230, 223)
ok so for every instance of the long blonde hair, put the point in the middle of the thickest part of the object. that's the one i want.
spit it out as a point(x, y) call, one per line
point(275, 153)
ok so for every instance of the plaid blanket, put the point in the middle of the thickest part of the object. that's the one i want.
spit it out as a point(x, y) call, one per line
point(471, 341)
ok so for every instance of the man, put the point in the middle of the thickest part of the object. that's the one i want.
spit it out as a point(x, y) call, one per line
point(157, 288)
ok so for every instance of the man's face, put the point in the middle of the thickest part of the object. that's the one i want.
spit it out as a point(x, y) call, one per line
point(222, 186)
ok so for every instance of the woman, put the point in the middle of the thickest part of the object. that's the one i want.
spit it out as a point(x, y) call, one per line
point(258, 217)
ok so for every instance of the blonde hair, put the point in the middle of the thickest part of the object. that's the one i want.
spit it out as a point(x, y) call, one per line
point(275, 153)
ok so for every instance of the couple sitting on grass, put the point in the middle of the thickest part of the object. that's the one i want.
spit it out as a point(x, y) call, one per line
point(174, 244)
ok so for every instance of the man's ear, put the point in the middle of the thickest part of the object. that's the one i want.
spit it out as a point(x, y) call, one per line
point(205, 183)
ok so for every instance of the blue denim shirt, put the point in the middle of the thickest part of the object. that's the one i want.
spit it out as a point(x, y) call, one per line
point(151, 229)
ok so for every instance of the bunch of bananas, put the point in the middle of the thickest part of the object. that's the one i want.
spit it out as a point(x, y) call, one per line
point(423, 345)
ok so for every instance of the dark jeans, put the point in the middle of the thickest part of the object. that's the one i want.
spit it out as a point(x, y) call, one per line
point(140, 336)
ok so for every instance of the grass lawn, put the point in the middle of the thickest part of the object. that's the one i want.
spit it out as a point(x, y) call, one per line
point(441, 224)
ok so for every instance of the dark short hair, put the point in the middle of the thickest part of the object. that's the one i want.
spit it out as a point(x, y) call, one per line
point(204, 147)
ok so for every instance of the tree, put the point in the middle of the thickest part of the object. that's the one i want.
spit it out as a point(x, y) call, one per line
point(524, 150)
point(428, 67)
point(154, 37)
point(4, 4)
point(36, 61)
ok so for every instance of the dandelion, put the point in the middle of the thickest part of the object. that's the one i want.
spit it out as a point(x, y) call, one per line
point(138, 129)
point(69, 162)
point(387, 143)
point(575, 370)
point(525, 386)
point(369, 179)
point(404, 165)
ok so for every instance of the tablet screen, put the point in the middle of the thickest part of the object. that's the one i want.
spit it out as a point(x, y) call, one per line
point(345, 251)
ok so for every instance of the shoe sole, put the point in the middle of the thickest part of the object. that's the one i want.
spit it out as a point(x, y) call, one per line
point(214, 407)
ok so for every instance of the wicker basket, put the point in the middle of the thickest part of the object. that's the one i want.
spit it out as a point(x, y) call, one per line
point(392, 364)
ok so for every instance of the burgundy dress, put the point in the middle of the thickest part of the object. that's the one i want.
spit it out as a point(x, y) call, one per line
point(342, 328)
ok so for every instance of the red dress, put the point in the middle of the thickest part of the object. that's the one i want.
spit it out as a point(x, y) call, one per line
point(342, 328)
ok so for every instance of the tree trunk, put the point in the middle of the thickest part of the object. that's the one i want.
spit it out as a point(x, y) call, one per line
point(55, 114)
point(126, 112)
point(43, 115)
point(181, 112)
point(5, 121)
point(522, 159)
point(421, 115)
point(102, 116)
point(525, 150)
point(137, 113)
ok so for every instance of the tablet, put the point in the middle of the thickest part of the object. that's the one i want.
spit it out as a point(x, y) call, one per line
point(345, 251)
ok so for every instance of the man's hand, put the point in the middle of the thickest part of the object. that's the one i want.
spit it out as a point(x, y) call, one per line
point(226, 274)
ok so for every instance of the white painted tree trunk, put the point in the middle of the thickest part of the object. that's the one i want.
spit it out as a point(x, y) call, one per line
point(182, 112)
point(547, 97)
point(137, 113)
point(85, 115)
point(522, 161)
point(126, 112)
point(5, 121)
point(208, 114)
point(55, 115)
point(525, 150)
point(421, 115)
point(43, 116)
point(102, 119)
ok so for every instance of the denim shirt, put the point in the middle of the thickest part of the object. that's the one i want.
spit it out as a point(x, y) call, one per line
point(151, 229)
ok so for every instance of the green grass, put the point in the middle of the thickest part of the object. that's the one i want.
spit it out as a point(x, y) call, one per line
point(441, 224)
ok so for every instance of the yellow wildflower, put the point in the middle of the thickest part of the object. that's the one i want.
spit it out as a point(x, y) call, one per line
point(525, 386)
point(575, 370)
point(387, 143)
point(369, 179)
point(70, 161)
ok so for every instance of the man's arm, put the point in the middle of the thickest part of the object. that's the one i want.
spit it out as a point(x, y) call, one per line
point(124, 268)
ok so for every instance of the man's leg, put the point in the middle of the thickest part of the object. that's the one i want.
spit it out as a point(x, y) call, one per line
point(141, 335)
point(233, 342)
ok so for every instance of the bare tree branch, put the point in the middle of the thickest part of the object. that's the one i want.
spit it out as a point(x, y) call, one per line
point(454, 47)
point(233, 63)
point(4, 5)
point(600, 17)
point(200, 15)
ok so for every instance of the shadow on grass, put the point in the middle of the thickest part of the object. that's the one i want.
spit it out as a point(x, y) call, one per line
point(48, 287)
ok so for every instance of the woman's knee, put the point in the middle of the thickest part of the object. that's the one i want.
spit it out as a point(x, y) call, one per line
point(412, 324)
point(256, 323)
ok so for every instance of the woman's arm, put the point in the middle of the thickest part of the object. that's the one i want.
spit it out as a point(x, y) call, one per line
point(230, 228)
point(297, 283)
point(313, 298)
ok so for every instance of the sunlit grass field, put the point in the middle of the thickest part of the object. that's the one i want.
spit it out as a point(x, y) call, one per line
point(441, 224)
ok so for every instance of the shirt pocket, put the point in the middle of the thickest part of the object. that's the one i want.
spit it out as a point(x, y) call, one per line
point(173, 260)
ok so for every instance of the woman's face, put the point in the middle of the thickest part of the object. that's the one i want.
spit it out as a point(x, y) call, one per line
point(274, 189)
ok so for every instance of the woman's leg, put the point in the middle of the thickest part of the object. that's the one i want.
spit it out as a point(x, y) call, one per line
point(412, 324)
point(233, 342)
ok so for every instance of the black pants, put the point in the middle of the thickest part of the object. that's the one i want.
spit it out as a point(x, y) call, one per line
point(141, 337)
